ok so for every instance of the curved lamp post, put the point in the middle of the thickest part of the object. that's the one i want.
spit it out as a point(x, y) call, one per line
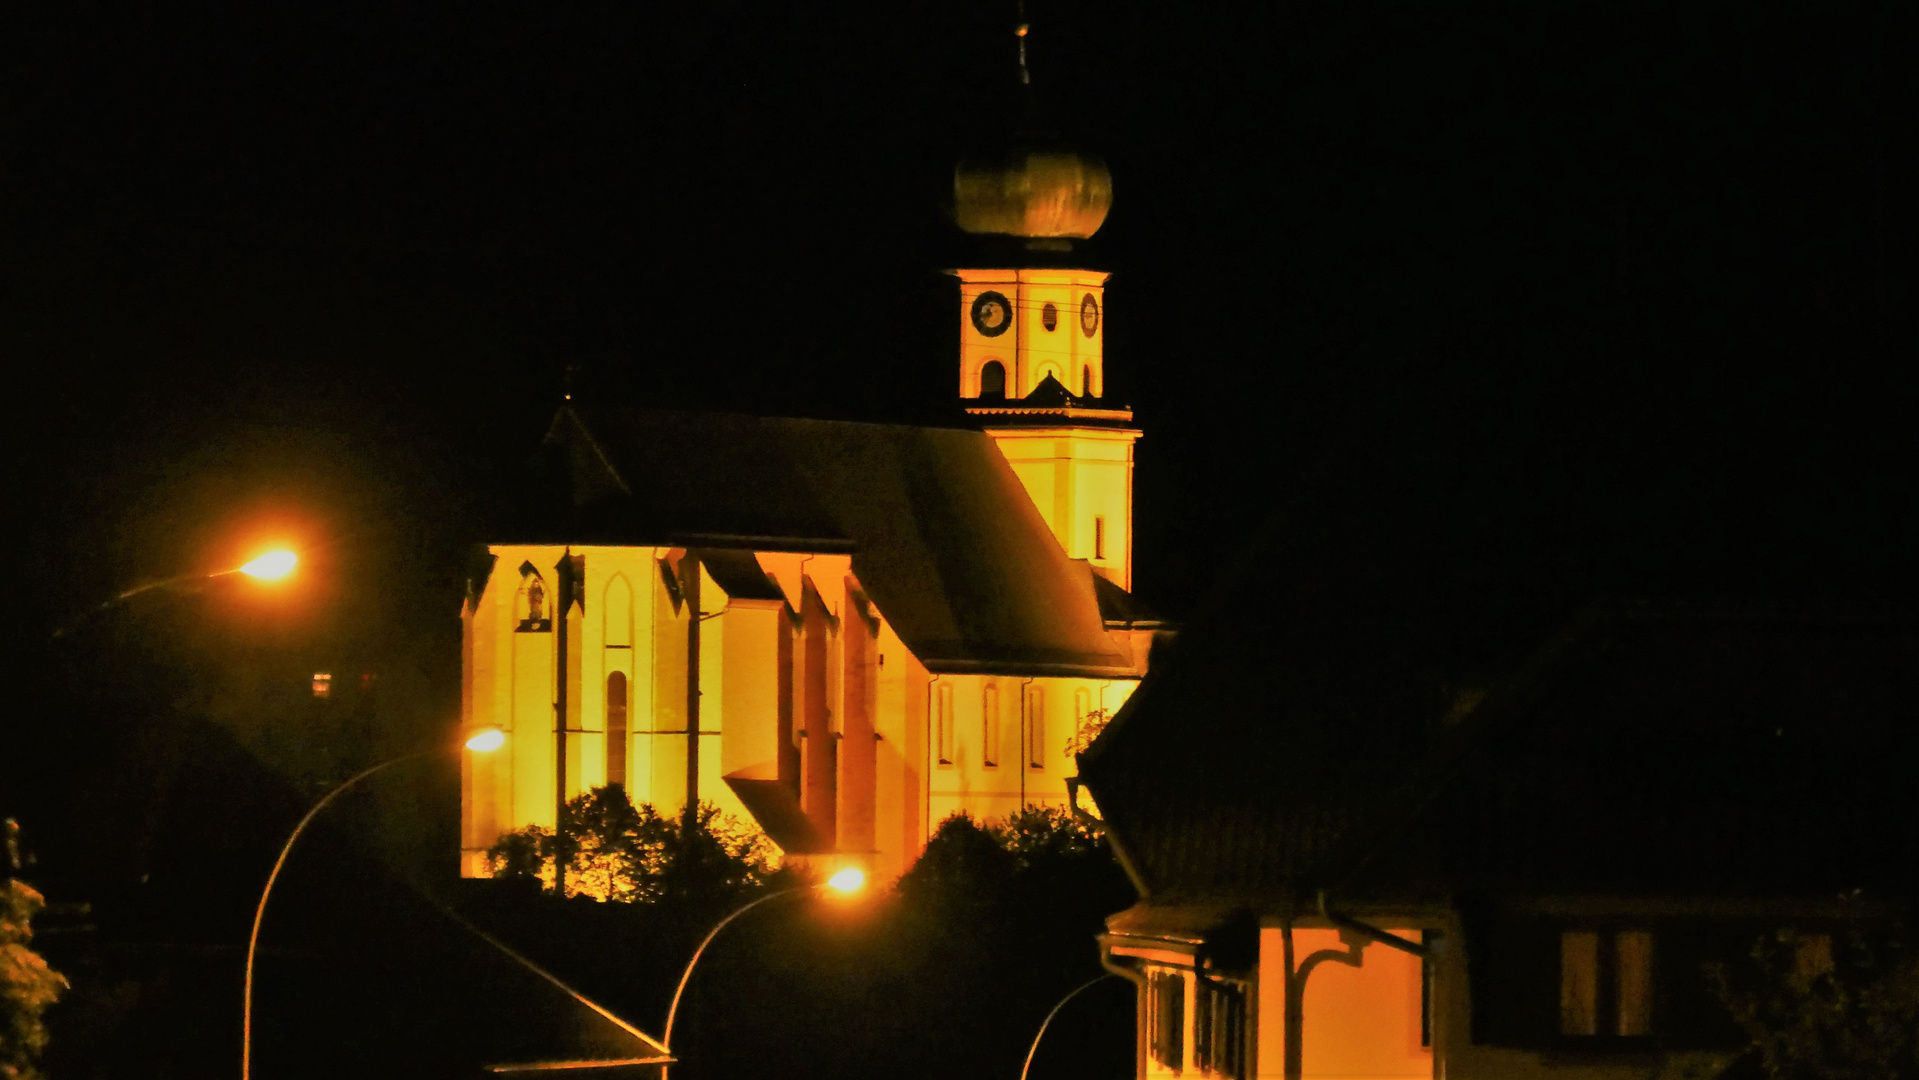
point(483, 741)
point(846, 882)
point(271, 566)
point(1055, 1012)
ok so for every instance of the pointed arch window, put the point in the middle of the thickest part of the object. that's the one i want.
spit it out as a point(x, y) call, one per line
point(1086, 381)
point(992, 380)
point(616, 728)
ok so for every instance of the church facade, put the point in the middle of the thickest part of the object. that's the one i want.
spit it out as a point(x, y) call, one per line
point(841, 633)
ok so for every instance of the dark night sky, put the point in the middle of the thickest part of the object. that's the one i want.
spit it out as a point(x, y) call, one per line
point(1587, 297)
point(1465, 312)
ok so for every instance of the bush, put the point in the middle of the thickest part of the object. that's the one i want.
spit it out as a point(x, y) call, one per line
point(28, 987)
point(1815, 1012)
point(616, 851)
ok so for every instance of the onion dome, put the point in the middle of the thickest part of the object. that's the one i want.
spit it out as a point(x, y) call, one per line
point(1034, 192)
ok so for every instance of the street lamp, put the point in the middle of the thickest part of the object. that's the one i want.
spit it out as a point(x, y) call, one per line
point(269, 566)
point(272, 566)
point(481, 741)
point(846, 882)
point(1034, 1049)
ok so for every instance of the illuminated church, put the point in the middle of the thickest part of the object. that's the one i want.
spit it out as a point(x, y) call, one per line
point(841, 632)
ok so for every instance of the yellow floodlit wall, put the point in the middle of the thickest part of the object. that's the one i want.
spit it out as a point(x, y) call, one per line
point(814, 690)
point(1072, 350)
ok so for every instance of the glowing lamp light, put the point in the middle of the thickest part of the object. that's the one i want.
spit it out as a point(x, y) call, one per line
point(486, 740)
point(272, 566)
point(850, 880)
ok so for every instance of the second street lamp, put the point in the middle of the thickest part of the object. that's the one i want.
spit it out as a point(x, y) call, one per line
point(268, 566)
point(482, 741)
point(846, 882)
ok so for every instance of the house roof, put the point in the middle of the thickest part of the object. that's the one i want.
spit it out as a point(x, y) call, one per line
point(943, 537)
point(1646, 749)
point(1735, 750)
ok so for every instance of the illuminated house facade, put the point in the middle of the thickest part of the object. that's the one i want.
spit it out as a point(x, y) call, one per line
point(1537, 888)
point(842, 632)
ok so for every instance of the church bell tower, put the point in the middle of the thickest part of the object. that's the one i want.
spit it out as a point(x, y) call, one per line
point(1032, 315)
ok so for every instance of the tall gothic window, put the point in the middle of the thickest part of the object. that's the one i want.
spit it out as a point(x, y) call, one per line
point(616, 728)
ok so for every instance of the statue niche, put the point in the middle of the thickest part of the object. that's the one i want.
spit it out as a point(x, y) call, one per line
point(531, 605)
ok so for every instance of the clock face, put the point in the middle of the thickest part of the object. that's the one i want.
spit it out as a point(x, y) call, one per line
point(992, 314)
point(1089, 315)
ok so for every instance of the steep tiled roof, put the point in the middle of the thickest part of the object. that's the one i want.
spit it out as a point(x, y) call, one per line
point(942, 536)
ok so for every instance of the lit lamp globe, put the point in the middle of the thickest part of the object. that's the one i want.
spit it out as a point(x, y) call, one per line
point(848, 881)
point(271, 566)
point(486, 740)
point(1053, 195)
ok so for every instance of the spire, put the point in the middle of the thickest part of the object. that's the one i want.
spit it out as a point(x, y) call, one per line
point(1019, 32)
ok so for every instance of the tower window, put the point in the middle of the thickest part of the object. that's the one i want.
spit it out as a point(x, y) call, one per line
point(1049, 317)
point(992, 380)
point(1099, 538)
point(1086, 381)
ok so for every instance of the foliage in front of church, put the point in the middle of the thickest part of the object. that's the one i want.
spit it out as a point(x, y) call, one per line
point(614, 850)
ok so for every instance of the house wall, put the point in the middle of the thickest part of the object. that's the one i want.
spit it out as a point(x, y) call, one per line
point(988, 771)
point(814, 689)
point(1360, 1023)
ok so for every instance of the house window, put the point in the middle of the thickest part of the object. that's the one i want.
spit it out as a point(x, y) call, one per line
point(1219, 1028)
point(992, 380)
point(1099, 538)
point(616, 728)
point(322, 684)
point(1036, 727)
point(943, 722)
point(1166, 1018)
point(989, 727)
point(1811, 958)
point(1605, 983)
